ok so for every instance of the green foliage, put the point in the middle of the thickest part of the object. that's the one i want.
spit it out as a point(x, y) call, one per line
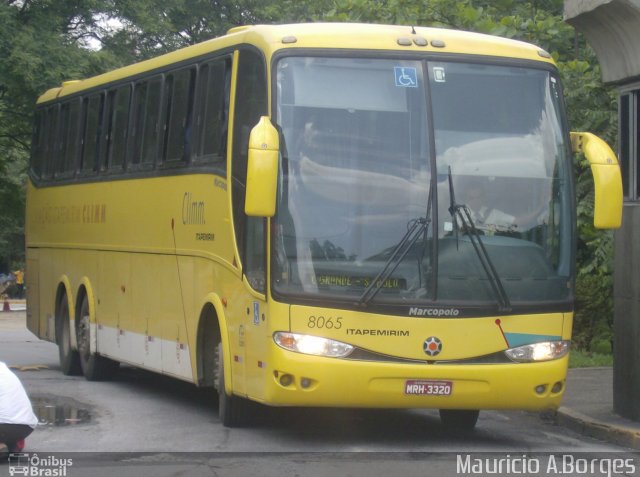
point(41, 45)
point(11, 218)
point(152, 27)
point(593, 324)
point(587, 359)
point(44, 42)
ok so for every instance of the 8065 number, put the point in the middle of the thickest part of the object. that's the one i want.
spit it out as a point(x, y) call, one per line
point(321, 322)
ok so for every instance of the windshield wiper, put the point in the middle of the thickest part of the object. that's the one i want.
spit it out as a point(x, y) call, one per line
point(462, 211)
point(416, 227)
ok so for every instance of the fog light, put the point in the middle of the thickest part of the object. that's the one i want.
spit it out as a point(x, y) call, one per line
point(557, 387)
point(541, 389)
point(286, 380)
point(305, 383)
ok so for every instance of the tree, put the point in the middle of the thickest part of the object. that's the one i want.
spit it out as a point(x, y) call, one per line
point(152, 27)
point(41, 45)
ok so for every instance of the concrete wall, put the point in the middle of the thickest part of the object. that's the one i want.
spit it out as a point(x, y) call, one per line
point(626, 295)
point(612, 28)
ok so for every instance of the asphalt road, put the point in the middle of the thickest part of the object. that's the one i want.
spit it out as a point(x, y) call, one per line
point(144, 424)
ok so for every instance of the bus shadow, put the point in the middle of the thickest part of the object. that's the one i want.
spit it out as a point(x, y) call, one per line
point(398, 429)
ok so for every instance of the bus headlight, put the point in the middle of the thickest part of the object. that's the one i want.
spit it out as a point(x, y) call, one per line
point(315, 345)
point(545, 351)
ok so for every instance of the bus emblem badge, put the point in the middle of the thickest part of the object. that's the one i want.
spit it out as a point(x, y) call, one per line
point(432, 346)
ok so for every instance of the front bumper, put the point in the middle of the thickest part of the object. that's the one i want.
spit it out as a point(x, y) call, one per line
point(333, 382)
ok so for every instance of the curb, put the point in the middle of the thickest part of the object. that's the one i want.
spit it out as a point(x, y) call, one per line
point(588, 426)
point(9, 305)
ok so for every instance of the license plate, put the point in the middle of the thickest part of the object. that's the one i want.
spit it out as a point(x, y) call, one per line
point(428, 388)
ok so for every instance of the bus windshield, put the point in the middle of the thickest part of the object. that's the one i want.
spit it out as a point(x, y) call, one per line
point(373, 146)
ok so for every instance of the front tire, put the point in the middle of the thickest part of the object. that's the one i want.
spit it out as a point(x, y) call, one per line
point(69, 358)
point(459, 420)
point(94, 367)
point(233, 410)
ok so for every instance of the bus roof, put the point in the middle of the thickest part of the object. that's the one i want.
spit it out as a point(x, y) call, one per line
point(355, 36)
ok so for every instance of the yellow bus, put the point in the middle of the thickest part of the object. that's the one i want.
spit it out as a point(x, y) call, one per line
point(336, 215)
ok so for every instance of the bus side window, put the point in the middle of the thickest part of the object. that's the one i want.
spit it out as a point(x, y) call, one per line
point(70, 139)
point(179, 101)
point(93, 114)
point(50, 153)
point(151, 122)
point(58, 164)
point(38, 143)
point(137, 123)
point(117, 120)
point(67, 149)
point(105, 139)
point(212, 111)
point(250, 105)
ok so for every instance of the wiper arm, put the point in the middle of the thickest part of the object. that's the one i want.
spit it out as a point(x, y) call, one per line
point(416, 228)
point(462, 211)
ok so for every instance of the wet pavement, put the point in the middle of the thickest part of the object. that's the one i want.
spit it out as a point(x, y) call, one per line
point(59, 411)
point(146, 412)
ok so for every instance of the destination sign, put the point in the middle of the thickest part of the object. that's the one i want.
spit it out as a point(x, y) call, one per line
point(359, 282)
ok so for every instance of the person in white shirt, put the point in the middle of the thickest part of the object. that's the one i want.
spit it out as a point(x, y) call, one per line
point(17, 419)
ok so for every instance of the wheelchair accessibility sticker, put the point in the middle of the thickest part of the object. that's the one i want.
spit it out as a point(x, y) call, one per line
point(406, 77)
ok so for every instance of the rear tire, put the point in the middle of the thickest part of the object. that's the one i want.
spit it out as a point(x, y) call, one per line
point(233, 410)
point(94, 367)
point(69, 358)
point(459, 420)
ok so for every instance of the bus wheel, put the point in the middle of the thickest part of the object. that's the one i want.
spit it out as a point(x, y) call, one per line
point(231, 409)
point(69, 358)
point(459, 420)
point(94, 367)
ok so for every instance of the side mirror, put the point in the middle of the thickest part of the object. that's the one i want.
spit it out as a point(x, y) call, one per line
point(262, 170)
point(607, 179)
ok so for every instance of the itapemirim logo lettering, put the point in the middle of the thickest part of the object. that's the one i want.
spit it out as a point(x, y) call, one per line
point(21, 463)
